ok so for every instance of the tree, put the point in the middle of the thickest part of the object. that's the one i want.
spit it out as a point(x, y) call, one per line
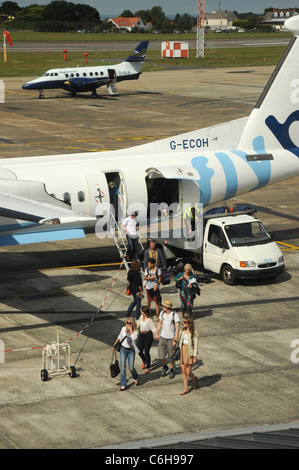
point(9, 8)
point(145, 15)
point(127, 14)
point(158, 14)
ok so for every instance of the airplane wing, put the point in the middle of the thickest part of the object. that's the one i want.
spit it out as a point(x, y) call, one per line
point(82, 84)
point(29, 221)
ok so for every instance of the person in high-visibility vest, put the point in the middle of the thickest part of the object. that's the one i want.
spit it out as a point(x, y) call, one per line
point(191, 219)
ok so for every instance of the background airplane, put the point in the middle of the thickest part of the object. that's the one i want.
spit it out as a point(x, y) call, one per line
point(57, 197)
point(84, 79)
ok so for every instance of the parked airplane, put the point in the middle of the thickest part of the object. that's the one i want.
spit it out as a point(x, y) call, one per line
point(55, 197)
point(83, 79)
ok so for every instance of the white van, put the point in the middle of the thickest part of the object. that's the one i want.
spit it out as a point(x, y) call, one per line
point(234, 245)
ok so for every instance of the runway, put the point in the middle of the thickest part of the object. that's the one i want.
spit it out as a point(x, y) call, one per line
point(153, 45)
point(246, 374)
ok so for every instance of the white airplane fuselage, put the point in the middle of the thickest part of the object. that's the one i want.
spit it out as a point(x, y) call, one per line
point(204, 166)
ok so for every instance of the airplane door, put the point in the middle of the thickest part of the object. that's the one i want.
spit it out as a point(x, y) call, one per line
point(112, 74)
point(98, 192)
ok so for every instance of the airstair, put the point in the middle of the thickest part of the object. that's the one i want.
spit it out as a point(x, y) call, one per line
point(119, 240)
point(112, 88)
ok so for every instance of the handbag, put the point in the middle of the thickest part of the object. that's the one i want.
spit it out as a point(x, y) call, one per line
point(114, 365)
point(177, 351)
point(117, 345)
point(176, 354)
point(128, 291)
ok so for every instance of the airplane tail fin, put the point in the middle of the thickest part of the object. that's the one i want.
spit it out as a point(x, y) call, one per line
point(138, 55)
point(269, 125)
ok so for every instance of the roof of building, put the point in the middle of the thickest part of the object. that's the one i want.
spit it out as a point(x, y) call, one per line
point(123, 22)
point(279, 16)
point(280, 436)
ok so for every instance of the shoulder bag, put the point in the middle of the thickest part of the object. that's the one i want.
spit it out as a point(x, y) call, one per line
point(117, 345)
point(114, 365)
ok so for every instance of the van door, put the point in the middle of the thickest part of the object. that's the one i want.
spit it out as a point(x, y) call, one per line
point(215, 248)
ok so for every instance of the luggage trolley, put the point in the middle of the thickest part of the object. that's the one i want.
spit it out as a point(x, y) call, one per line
point(55, 363)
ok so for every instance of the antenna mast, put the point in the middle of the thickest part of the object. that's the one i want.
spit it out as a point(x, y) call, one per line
point(200, 44)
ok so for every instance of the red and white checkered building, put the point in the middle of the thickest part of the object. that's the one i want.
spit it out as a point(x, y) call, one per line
point(175, 49)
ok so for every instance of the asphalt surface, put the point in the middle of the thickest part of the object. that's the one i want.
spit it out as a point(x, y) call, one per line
point(153, 45)
point(246, 374)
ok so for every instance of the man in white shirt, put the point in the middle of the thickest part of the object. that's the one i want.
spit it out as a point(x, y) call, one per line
point(130, 225)
point(169, 326)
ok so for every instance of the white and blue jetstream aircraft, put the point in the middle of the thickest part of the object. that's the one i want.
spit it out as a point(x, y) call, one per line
point(83, 79)
point(58, 197)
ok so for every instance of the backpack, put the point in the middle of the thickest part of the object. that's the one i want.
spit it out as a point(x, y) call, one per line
point(166, 277)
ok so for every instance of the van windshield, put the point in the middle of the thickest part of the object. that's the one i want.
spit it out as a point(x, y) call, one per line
point(250, 233)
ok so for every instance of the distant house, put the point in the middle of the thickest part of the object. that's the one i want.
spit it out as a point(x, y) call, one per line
point(276, 18)
point(127, 24)
point(219, 20)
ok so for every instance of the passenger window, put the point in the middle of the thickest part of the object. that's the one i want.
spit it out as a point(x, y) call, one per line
point(91, 74)
point(77, 75)
point(67, 197)
point(81, 196)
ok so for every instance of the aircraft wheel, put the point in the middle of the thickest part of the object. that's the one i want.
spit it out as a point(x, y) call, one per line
point(228, 275)
point(94, 95)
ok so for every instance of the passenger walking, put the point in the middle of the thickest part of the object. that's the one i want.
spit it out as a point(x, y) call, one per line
point(169, 326)
point(184, 282)
point(153, 277)
point(153, 252)
point(135, 285)
point(130, 225)
point(188, 344)
point(145, 338)
point(128, 336)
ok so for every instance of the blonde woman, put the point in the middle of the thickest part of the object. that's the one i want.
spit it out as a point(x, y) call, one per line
point(188, 343)
point(184, 282)
point(128, 336)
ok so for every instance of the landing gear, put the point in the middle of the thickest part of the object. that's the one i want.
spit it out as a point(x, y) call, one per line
point(73, 93)
point(41, 94)
point(94, 94)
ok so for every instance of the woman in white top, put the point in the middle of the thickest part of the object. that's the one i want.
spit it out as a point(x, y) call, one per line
point(145, 339)
point(128, 336)
point(188, 343)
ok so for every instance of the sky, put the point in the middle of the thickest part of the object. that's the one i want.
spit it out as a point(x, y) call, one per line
point(171, 7)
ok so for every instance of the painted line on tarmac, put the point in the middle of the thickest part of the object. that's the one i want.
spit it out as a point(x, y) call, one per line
point(289, 247)
point(80, 266)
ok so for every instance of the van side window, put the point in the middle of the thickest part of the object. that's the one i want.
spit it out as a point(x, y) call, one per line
point(216, 236)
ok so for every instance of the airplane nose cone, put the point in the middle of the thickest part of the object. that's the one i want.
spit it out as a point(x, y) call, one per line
point(26, 86)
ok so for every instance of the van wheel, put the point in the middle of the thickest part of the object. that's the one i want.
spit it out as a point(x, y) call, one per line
point(228, 275)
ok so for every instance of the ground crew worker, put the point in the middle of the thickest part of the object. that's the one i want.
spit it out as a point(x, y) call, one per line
point(191, 219)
